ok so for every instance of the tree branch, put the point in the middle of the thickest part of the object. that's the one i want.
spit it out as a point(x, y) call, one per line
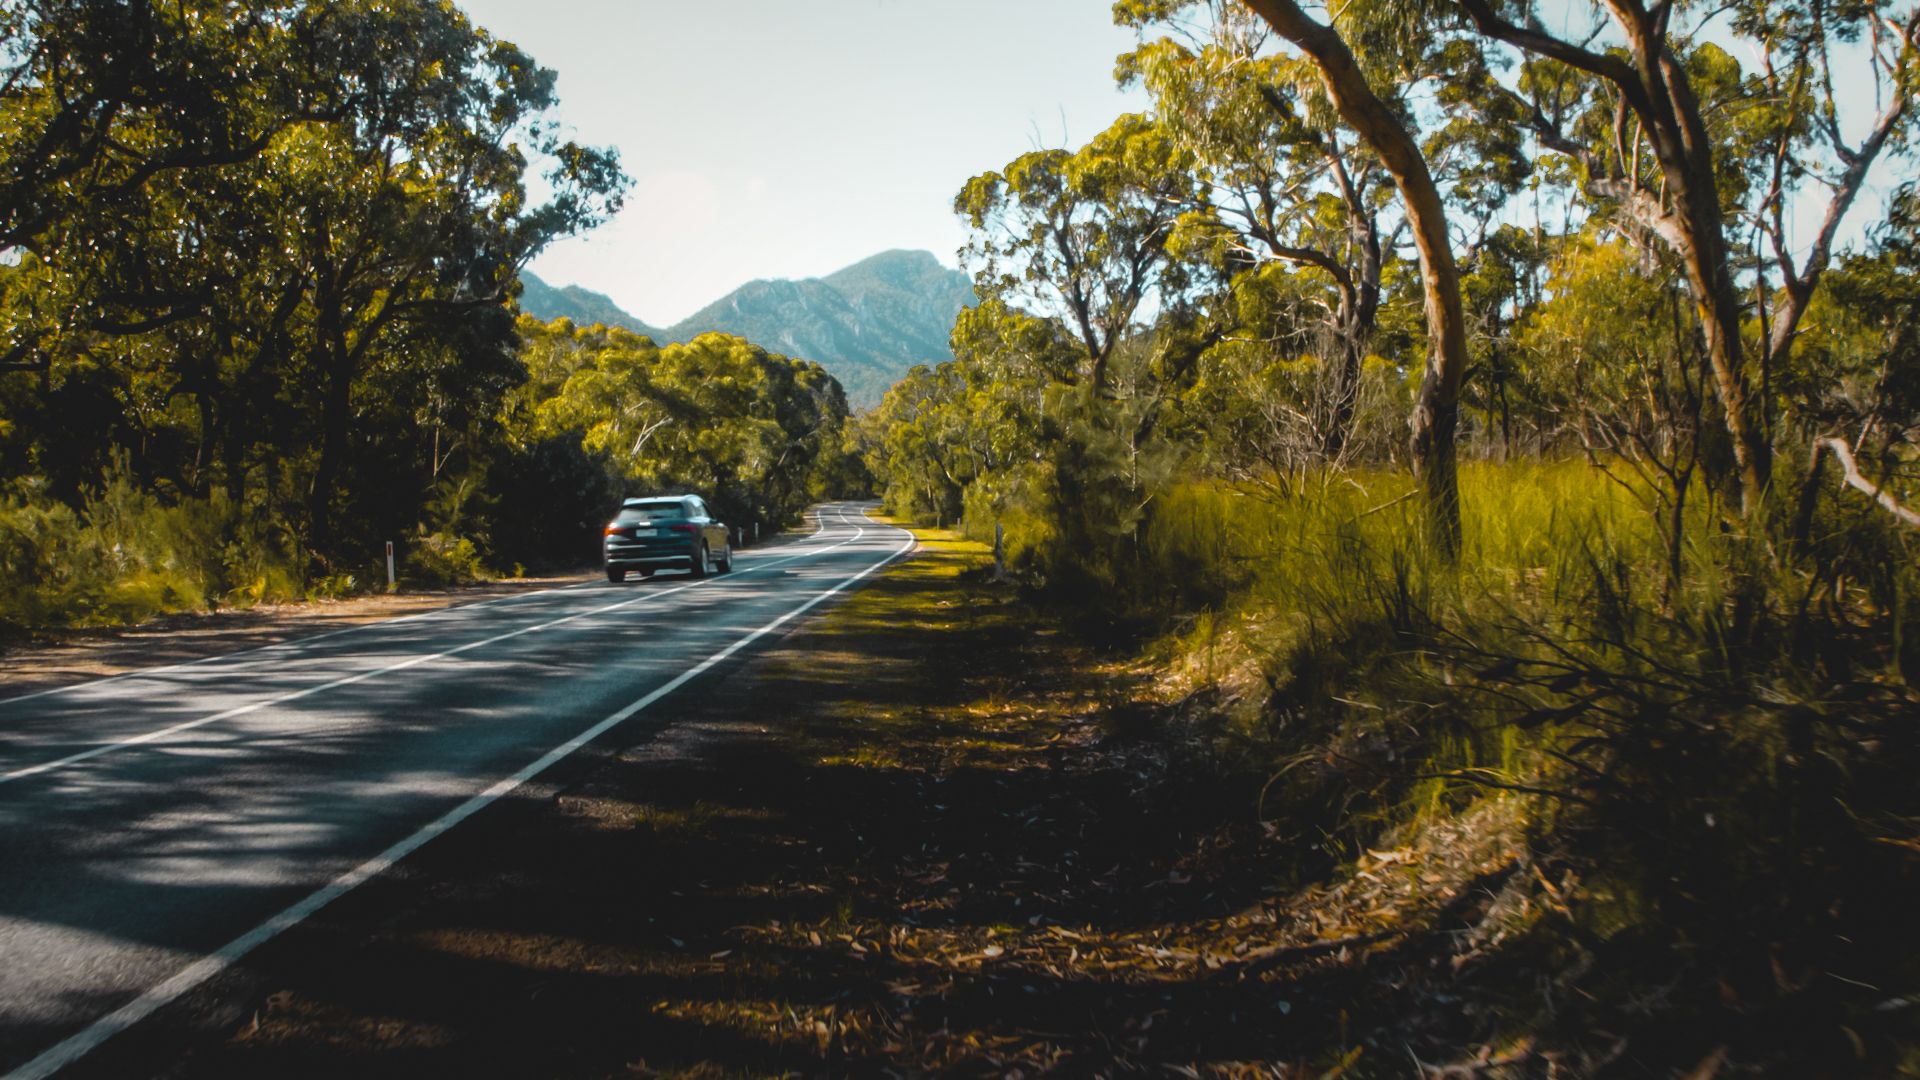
point(1857, 480)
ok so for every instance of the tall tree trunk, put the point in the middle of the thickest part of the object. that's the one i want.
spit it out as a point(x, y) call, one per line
point(335, 401)
point(1653, 83)
point(202, 481)
point(1354, 322)
point(1359, 300)
point(1346, 388)
point(1685, 151)
point(233, 455)
point(1436, 414)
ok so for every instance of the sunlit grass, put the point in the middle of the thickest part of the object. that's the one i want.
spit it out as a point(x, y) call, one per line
point(695, 819)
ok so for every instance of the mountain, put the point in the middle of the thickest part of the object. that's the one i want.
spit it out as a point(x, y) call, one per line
point(866, 324)
point(584, 306)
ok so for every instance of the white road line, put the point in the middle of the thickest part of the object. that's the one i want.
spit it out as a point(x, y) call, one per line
point(297, 643)
point(294, 643)
point(86, 1040)
point(186, 664)
point(242, 710)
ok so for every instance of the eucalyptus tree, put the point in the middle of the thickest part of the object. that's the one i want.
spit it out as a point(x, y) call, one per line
point(1859, 393)
point(125, 129)
point(1273, 184)
point(1074, 256)
point(1081, 235)
point(97, 97)
point(1381, 118)
point(924, 453)
point(415, 216)
point(744, 426)
point(265, 209)
point(1669, 132)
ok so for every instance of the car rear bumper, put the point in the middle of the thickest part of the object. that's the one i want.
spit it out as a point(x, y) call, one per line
point(641, 557)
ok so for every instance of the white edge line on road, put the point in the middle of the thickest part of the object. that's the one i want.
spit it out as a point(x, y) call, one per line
point(142, 739)
point(302, 642)
point(78, 1045)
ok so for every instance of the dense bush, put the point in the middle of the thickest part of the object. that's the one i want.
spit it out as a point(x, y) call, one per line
point(126, 555)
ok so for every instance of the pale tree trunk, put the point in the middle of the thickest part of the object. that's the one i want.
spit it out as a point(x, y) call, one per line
point(1685, 151)
point(1653, 82)
point(1436, 413)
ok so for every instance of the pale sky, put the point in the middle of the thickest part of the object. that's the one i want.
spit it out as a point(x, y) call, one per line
point(790, 138)
point(782, 138)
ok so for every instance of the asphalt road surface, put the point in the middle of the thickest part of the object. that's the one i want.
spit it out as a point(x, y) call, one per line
point(158, 826)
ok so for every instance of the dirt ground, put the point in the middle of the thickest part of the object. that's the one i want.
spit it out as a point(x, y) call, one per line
point(912, 837)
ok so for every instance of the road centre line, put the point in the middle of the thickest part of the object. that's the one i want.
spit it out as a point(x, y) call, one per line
point(242, 710)
point(86, 1040)
point(295, 643)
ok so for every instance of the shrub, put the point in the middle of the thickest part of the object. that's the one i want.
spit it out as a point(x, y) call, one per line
point(442, 559)
point(127, 555)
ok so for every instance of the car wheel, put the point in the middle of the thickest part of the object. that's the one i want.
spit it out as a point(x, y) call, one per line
point(700, 562)
point(616, 575)
point(724, 564)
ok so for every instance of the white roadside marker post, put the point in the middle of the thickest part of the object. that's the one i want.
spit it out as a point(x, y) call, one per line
point(389, 566)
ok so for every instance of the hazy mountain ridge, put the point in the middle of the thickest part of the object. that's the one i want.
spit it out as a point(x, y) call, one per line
point(584, 306)
point(866, 324)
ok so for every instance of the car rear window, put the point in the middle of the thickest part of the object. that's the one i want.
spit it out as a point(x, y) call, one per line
point(673, 510)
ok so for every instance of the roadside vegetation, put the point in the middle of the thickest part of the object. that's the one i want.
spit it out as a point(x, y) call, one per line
point(1582, 535)
point(1472, 446)
point(258, 269)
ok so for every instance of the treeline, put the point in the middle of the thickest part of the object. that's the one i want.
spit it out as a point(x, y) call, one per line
point(606, 413)
point(258, 263)
point(1230, 357)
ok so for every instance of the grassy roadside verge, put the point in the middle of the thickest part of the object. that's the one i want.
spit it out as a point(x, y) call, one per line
point(925, 833)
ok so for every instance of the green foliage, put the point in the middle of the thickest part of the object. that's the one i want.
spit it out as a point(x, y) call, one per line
point(268, 250)
point(127, 556)
point(1082, 235)
point(263, 261)
point(444, 559)
point(757, 433)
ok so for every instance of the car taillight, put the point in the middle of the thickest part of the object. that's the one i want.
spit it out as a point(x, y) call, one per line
point(611, 529)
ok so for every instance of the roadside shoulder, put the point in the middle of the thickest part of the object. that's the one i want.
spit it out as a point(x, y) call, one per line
point(81, 655)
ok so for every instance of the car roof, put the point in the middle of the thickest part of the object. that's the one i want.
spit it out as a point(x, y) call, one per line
point(655, 499)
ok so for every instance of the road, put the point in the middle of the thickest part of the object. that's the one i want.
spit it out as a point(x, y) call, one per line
point(158, 826)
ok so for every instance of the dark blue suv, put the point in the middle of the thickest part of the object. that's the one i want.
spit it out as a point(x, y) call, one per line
point(666, 532)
